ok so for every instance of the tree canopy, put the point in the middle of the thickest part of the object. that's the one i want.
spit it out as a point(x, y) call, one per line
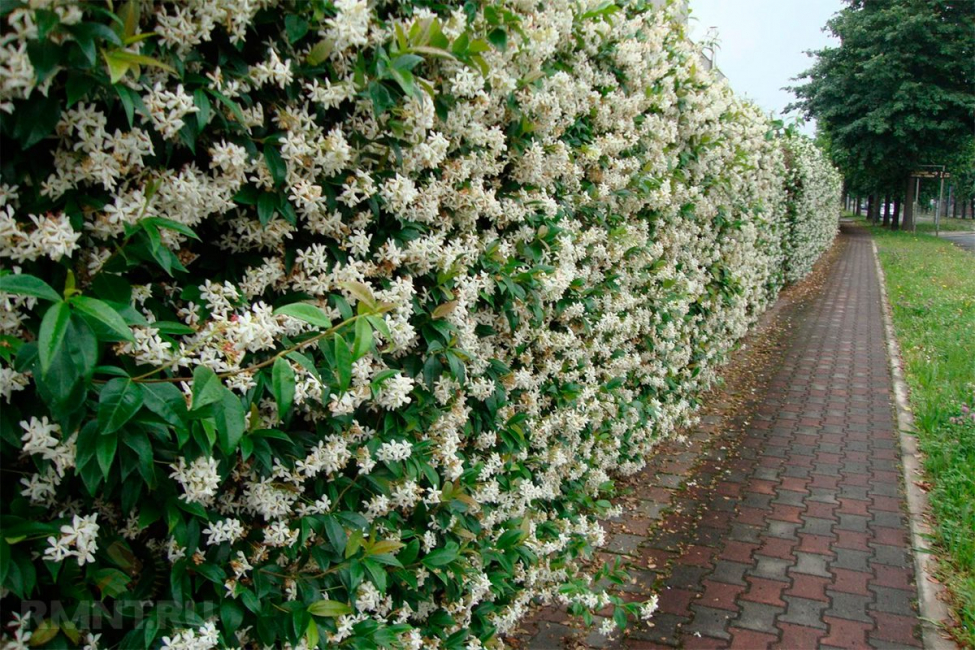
point(898, 90)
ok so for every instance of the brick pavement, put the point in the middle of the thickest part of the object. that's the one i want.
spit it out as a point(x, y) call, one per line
point(789, 530)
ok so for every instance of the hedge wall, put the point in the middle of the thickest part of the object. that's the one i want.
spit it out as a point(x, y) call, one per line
point(330, 323)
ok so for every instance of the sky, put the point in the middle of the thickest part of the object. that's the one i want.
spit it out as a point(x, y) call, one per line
point(762, 43)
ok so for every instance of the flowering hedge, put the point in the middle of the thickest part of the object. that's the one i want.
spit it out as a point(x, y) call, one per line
point(814, 190)
point(330, 323)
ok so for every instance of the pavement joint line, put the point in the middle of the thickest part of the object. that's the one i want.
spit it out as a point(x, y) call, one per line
point(931, 593)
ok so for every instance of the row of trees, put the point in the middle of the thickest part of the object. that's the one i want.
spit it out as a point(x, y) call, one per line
point(895, 96)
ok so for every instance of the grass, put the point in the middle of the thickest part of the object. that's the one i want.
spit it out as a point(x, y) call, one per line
point(947, 225)
point(932, 292)
point(925, 224)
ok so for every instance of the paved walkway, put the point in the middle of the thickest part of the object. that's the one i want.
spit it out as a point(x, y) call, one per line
point(783, 524)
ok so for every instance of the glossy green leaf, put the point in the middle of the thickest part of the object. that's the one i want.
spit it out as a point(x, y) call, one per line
point(166, 401)
point(28, 285)
point(305, 312)
point(283, 385)
point(275, 164)
point(207, 387)
point(105, 448)
point(363, 339)
point(343, 362)
point(104, 314)
point(118, 402)
point(231, 421)
point(54, 326)
point(329, 608)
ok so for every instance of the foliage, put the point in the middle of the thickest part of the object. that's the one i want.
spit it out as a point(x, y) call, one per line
point(814, 189)
point(932, 293)
point(329, 324)
point(897, 92)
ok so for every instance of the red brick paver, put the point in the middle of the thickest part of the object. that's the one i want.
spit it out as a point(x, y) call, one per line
point(793, 532)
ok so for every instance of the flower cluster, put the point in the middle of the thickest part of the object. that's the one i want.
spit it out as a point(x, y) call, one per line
point(330, 323)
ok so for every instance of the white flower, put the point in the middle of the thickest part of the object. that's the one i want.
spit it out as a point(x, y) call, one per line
point(395, 392)
point(649, 607)
point(199, 479)
point(168, 108)
point(394, 450)
point(350, 25)
point(228, 530)
point(78, 539)
point(201, 638)
point(39, 438)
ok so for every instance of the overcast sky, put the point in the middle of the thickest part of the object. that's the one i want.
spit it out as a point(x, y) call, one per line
point(762, 43)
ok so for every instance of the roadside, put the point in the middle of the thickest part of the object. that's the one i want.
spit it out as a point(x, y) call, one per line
point(931, 288)
point(963, 240)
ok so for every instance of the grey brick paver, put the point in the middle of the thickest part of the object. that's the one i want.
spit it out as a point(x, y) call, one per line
point(806, 462)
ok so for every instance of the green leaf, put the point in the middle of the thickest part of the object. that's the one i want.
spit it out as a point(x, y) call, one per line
point(343, 362)
point(499, 38)
point(4, 560)
point(54, 326)
point(166, 401)
point(283, 385)
point(311, 634)
point(117, 68)
point(232, 105)
point(120, 61)
point(363, 339)
point(103, 313)
point(305, 312)
point(361, 292)
point(377, 573)
point(169, 224)
point(275, 164)
point(381, 98)
point(329, 608)
point(105, 447)
point(207, 388)
point(295, 27)
point(231, 421)
point(442, 556)
point(44, 58)
point(320, 52)
point(406, 62)
point(202, 103)
point(77, 86)
point(118, 402)
point(81, 346)
point(267, 205)
point(28, 285)
point(37, 119)
point(231, 615)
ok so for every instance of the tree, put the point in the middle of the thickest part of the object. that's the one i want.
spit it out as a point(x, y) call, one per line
point(896, 93)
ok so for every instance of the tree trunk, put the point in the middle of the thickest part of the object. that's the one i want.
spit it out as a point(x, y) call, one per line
point(908, 222)
point(857, 207)
point(886, 214)
point(964, 209)
point(897, 213)
point(870, 204)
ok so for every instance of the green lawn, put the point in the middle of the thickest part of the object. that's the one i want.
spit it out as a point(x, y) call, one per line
point(946, 225)
point(932, 292)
